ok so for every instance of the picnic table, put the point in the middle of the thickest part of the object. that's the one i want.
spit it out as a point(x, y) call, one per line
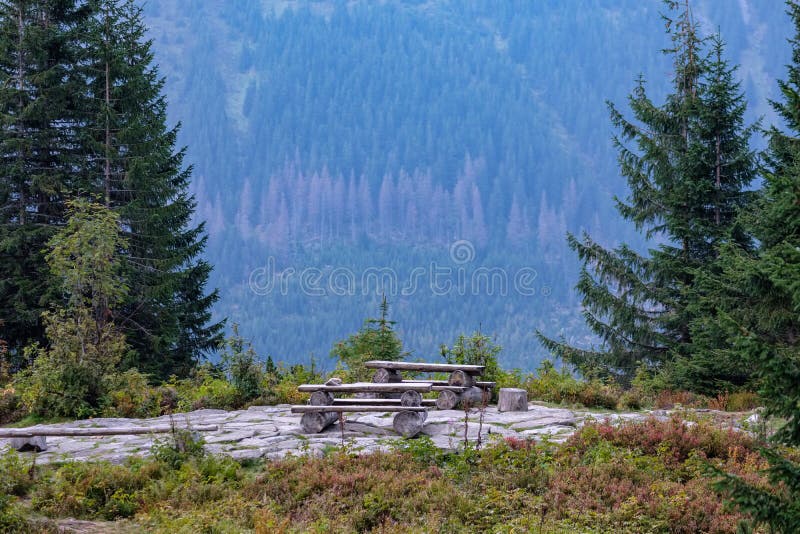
point(391, 394)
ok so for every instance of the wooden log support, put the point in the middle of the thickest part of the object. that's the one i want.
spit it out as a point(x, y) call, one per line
point(460, 377)
point(316, 422)
point(411, 398)
point(473, 398)
point(358, 387)
point(379, 402)
point(450, 400)
point(424, 367)
point(447, 400)
point(321, 398)
point(408, 424)
point(336, 408)
point(386, 376)
point(512, 400)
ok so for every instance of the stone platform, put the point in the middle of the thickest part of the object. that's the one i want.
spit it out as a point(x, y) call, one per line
point(273, 432)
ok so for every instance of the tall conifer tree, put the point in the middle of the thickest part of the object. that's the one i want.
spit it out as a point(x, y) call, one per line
point(132, 164)
point(83, 116)
point(760, 306)
point(685, 176)
point(39, 119)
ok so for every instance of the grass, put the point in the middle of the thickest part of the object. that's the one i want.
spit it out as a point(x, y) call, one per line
point(648, 476)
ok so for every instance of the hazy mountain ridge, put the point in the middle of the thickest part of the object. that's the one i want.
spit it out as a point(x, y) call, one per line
point(412, 92)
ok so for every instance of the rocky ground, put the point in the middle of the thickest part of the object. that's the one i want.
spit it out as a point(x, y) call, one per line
point(273, 431)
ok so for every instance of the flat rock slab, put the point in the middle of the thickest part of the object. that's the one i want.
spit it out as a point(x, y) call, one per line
point(273, 431)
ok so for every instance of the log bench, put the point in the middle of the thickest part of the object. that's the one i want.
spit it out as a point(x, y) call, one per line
point(460, 389)
point(368, 387)
point(323, 409)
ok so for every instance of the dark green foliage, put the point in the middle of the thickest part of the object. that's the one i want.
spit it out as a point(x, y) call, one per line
point(242, 366)
point(760, 312)
point(137, 170)
point(84, 344)
point(39, 150)
point(477, 349)
point(83, 117)
point(686, 177)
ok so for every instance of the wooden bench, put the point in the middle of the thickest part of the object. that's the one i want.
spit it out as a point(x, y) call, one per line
point(369, 387)
point(461, 388)
point(323, 409)
point(410, 408)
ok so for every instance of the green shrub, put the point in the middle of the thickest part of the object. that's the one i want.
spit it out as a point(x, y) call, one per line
point(16, 473)
point(376, 340)
point(11, 518)
point(11, 409)
point(280, 383)
point(91, 490)
point(205, 388)
point(477, 349)
point(632, 399)
point(178, 447)
point(242, 367)
point(561, 387)
point(130, 395)
point(52, 387)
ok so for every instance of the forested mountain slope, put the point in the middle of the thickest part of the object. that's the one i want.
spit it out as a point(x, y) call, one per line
point(417, 142)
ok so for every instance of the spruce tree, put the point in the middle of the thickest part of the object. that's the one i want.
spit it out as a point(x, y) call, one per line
point(376, 340)
point(760, 311)
point(686, 176)
point(39, 119)
point(83, 117)
point(133, 165)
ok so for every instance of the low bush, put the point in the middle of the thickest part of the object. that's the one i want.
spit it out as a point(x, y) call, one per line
point(280, 383)
point(16, 473)
point(11, 409)
point(551, 385)
point(130, 395)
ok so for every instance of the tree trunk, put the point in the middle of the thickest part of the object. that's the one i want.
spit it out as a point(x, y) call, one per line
point(316, 422)
point(20, 87)
point(472, 397)
point(422, 387)
point(512, 400)
point(425, 367)
point(409, 424)
point(379, 402)
point(107, 169)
